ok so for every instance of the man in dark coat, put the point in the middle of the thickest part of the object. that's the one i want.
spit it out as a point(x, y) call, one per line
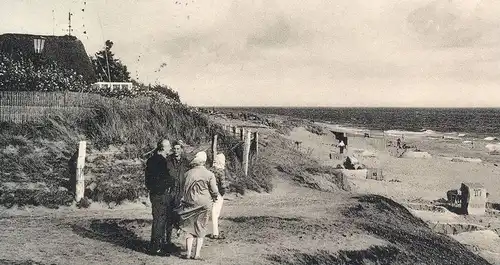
point(177, 165)
point(157, 183)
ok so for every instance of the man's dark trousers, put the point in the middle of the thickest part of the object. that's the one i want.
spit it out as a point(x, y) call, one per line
point(159, 211)
point(170, 218)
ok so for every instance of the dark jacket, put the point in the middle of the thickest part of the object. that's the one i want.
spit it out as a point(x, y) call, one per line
point(175, 171)
point(156, 174)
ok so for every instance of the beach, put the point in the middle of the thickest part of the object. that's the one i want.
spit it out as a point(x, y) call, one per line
point(415, 180)
point(420, 178)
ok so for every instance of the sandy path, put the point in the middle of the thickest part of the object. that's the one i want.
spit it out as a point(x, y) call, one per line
point(257, 225)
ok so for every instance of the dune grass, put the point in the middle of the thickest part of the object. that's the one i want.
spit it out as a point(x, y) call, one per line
point(41, 151)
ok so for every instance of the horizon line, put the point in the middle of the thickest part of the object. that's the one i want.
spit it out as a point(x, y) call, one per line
point(352, 107)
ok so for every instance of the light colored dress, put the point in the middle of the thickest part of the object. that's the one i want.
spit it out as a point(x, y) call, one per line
point(200, 190)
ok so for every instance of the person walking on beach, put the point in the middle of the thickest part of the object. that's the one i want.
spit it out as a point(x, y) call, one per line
point(200, 191)
point(156, 183)
point(177, 165)
point(220, 171)
point(341, 145)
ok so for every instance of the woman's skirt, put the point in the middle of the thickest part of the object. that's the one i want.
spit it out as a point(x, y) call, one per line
point(193, 219)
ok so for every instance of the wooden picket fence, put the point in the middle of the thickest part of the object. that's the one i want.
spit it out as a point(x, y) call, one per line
point(27, 106)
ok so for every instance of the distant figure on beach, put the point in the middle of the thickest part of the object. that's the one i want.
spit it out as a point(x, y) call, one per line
point(341, 145)
point(464, 192)
point(398, 143)
point(221, 173)
point(156, 183)
point(177, 165)
point(199, 193)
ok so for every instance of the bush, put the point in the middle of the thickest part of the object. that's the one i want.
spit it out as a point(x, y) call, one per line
point(25, 75)
point(167, 91)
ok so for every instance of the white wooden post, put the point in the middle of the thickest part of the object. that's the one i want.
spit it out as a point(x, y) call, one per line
point(246, 151)
point(256, 142)
point(214, 148)
point(80, 178)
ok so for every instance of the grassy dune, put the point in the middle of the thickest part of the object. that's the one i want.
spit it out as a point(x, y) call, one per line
point(37, 158)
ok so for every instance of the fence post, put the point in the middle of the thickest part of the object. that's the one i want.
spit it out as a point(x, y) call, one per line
point(242, 133)
point(246, 152)
point(80, 179)
point(214, 148)
point(234, 130)
point(256, 142)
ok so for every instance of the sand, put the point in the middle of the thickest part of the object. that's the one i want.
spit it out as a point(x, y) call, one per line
point(447, 163)
point(420, 176)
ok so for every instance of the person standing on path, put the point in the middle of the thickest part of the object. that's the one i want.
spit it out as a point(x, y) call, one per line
point(341, 145)
point(220, 171)
point(199, 193)
point(177, 165)
point(156, 183)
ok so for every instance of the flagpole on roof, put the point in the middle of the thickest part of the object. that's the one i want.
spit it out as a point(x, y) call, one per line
point(69, 23)
point(53, 23)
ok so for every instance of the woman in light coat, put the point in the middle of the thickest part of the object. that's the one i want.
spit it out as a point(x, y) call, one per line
point(199, 193)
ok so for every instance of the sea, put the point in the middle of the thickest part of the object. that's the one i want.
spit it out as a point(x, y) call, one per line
point(476, 122)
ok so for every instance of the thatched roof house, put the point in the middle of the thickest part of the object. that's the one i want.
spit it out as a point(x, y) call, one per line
point(66, 51)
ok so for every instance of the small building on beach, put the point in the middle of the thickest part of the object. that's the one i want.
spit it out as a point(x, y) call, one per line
point(473, 198)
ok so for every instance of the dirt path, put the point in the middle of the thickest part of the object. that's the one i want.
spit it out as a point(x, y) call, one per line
point(256, 223)
point(292, 225)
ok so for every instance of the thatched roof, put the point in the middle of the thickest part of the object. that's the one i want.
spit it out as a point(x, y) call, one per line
point(67, 51)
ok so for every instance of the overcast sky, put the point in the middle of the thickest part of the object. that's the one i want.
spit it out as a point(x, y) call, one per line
point(425, 53)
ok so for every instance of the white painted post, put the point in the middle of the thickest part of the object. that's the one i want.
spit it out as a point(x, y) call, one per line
point(256, 142)
point(246, 151)
point(214, 148)
point(80, 179)
point(385, 142)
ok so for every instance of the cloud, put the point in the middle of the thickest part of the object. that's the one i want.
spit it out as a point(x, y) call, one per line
point(277, 34)
point(285, 51)
point(459, 23)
